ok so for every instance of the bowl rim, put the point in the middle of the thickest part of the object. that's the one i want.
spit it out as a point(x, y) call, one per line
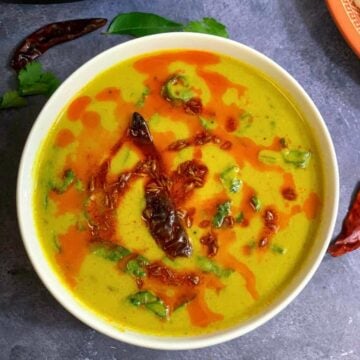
point(25, 193)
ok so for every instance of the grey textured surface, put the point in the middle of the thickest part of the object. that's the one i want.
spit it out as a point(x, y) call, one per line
point(324, 321)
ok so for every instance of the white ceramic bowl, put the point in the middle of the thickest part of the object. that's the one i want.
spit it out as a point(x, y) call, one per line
point(81, 77)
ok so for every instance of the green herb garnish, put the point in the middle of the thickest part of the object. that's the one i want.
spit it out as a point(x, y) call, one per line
point(178, 88)
point(142, 24)
point(34, 81)
point(299, 158)
point(144, 94)
point(230, 179)
point(268, 157)
point(136, 267)
point(208, 265)
point(207, 124)
point(11, 99)
point(68, 178)
point(207, 26)
point(223, 210)
point(278, 249)
point(240, 218)
point(112, 253)
point(151, 302)
point(255, 203)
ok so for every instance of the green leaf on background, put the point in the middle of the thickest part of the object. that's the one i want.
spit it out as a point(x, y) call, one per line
point(11, 99)
point(207, 26)
point(34, 81)
point(141, 24)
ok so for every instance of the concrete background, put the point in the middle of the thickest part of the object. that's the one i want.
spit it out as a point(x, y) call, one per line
point(324, 321)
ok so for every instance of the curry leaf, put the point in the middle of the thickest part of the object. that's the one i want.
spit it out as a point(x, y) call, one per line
point(207, 26)
point(151, 302)
point(11, 99)
point(34, 81)
point(141, 24)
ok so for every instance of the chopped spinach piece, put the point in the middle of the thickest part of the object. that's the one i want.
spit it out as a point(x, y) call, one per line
point(240, 218)
point(255, 203)
point(136, 267)
point(207, 124)
point(151, 302)
point(178, 88)
point(208, 265)
point(223, 210)
point(278, 249)
point(299, 158)
point(141, 101)
point(230, 179)
point(56, 243)
point(68, 179)
point(112, 253)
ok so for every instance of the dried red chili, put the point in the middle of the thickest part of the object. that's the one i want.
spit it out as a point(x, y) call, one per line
point(349, 238)
point(160, 213)
point(164, 224)
point(50, 35)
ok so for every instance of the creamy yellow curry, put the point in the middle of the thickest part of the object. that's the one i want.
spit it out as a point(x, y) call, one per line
point(178, 193)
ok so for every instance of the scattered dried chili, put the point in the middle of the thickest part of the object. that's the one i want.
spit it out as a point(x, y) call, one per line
point(193, 106)
point(210, 241)
point(349, 238)
point(289, 193)
point(164, 274)
point(50, 35)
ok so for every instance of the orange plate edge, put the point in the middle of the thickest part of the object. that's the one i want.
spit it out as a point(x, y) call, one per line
point(344, 24)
